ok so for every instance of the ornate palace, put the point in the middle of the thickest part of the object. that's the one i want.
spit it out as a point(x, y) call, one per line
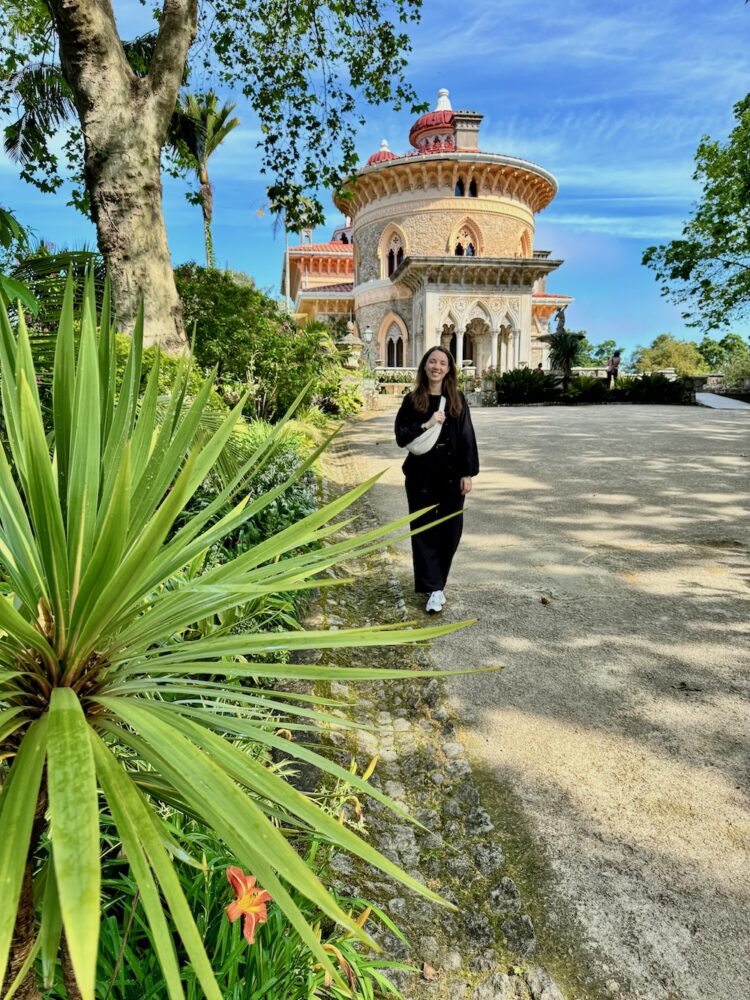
point(438, 248)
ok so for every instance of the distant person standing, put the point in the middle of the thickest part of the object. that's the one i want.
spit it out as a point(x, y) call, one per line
point(613, 369)
point(539, 370)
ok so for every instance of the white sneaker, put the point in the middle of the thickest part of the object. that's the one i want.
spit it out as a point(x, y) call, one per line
point(434, 602)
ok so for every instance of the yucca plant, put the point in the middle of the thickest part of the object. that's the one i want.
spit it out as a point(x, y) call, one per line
point(103, 692)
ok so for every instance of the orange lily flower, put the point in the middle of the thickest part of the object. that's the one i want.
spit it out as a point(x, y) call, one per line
point(250, 902)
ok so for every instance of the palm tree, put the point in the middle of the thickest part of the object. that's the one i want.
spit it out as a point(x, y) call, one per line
point(564, 347)
point(198, 128)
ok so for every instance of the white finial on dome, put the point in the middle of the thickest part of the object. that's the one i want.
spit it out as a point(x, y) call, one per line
point(443, 103)
point(384, 146)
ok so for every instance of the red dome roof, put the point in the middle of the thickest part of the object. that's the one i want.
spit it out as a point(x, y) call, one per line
point(382, 154)
point(432, 120)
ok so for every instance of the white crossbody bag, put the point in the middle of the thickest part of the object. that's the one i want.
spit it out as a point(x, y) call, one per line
point(427, 439)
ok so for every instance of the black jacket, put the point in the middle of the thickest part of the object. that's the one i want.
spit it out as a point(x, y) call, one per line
point(457, 433)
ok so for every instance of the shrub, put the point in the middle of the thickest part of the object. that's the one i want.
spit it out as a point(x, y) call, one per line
point(657, 388)
point(586, 389)
point(522, 385)
point(107, 702)
point(736, 370)
point(256, 348)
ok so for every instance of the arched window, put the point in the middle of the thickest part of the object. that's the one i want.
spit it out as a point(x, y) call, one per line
point(344, 238)
point(393, 254)
point(473, 191)
point(394, 347)
point(460, 190)
point(466, 243)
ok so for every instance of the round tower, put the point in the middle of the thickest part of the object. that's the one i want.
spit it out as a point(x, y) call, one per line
point(443, 240)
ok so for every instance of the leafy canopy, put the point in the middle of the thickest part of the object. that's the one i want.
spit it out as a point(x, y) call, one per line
point(668, 352)
point(707, 269)
point(595, 355)
point(720, 353)
point(305, 68)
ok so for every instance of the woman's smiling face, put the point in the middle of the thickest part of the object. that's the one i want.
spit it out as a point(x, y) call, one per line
point(437, 366)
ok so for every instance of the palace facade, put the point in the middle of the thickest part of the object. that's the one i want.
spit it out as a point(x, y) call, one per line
point(437, 249)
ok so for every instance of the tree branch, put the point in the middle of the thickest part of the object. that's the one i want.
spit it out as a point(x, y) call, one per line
point(90, 48)
point(177, 29)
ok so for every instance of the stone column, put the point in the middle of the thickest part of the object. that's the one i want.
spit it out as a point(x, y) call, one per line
point(459, 349)
point(503, 350)
point(493, 348)
point(524, 333)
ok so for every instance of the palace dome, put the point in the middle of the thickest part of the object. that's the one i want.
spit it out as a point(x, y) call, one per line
point(382, 154)
point(434, 127)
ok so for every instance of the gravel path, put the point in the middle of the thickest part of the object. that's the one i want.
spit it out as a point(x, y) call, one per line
point(605, 556)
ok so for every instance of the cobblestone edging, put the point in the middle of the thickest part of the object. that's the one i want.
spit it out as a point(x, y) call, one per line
point(485, 950)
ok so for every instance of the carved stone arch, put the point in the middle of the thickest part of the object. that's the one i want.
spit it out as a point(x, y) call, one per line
point(525, 244)
point(478, 310)
point(392, 241)
point(392, 328)
point(467, 231)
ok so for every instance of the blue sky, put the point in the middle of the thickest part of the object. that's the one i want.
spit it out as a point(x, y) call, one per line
point(613, 104)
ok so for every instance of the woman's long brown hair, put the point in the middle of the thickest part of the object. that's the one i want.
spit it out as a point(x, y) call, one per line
point(420, 394)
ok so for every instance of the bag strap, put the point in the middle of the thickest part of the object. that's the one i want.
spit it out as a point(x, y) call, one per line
point(441, 405)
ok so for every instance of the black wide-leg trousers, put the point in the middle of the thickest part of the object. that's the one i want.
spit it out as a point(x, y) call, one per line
point(433, 549)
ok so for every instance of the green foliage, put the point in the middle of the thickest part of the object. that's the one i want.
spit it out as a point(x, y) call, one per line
point(586, 389)
point(564, 349)
point(305, 69)
point(36, 95)
point(401, 378)
point(13, 240)
point(275, 967)
point(707, 269)
point(668, 352)
point(108, 701)
point(737, 370)
point(257, 349)
point(593, 355)
point(197, 129)
point(719, 353)
point(657, 388)
point(521, 385)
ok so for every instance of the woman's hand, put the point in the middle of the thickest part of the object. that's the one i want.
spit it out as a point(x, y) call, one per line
point(466, 485)
point(438, 417)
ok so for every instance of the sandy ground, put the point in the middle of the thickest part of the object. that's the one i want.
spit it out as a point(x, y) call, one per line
point(621, 719)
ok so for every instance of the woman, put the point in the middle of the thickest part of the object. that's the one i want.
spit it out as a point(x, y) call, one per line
point(613, 369)
point(443, 475)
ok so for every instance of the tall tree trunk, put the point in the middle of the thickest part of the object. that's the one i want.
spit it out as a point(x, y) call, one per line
point(208, 237)
point(124, 122)
point(124, 181)
point(207, 205)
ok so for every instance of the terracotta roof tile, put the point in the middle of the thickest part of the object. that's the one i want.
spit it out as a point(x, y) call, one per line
point(335, 246)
